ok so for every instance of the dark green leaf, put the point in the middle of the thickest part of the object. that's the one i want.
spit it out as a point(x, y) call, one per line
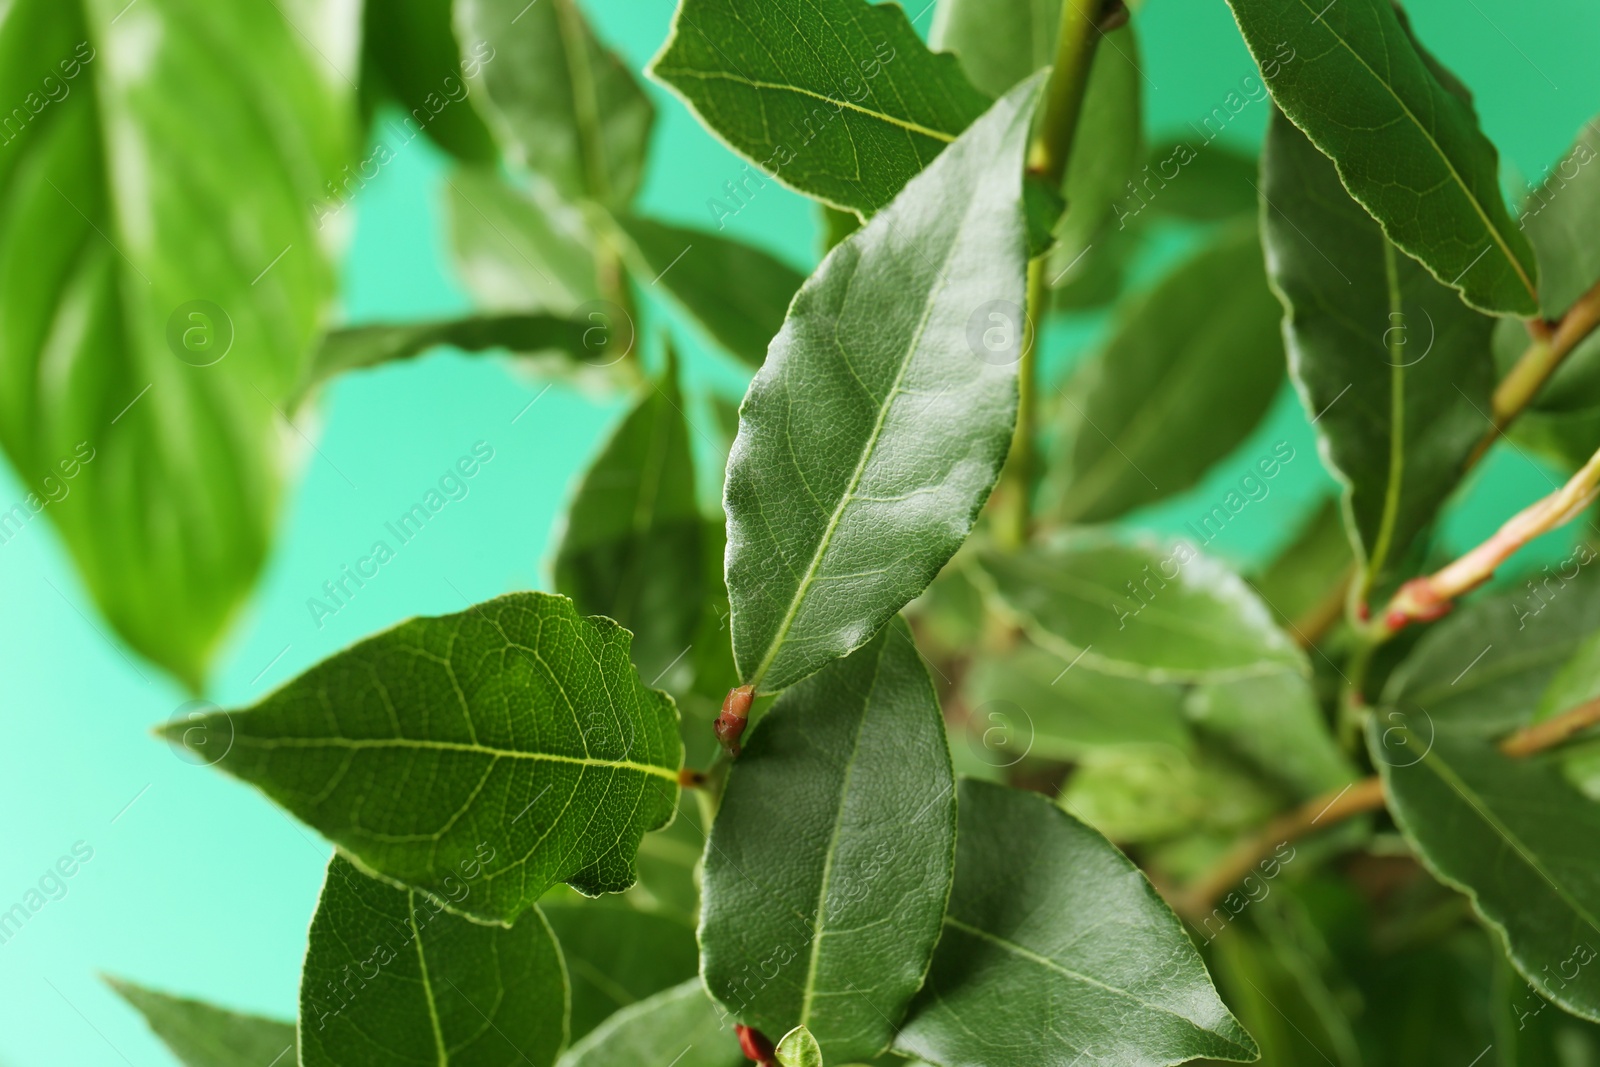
point(873, 433)
point(799, 1048)
point(519, 247)
point(517, 727)
point(836, 226)
point(1405, 143)
point(563, 105)
point(151, 227)
point(633, 545)
point(1513, 835)
point(1161, 615)
point(1393, 369)
point(737, 292)
point(1140, 422)
point(393, 977)
point(617, 955)
point(1530, 1032)
point(1300, 580)
point(1056, 949)
point(844, 805)
point(680, 1027)
point(669, 859)
point(408, 49)
point(204, 1036)
point(849, 121)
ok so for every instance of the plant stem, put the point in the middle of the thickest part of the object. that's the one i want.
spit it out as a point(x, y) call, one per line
point(1361, 797)
point(1016, 513)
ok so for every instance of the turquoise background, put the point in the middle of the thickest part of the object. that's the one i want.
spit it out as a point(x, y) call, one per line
point(197, 884)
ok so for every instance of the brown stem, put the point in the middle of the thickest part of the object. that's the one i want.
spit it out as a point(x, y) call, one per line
point(1553, 731)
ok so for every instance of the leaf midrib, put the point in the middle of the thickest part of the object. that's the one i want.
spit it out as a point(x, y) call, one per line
point(453, 746)
point(427, 984)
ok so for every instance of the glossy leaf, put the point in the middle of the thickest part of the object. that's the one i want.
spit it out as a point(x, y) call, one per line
point(1157, 614)
point(163, 276)
point(633, 546)
point(1055, 949)
point(562, 104)
point(519, 247)
point(1394, 370)
point(516, 728)
point(1405, 143)
point(201, 1035)
point(844, 800)
point(874, 432)
point(391, 976)
point(799, 1049)
point(618, 955)
point(1140, 421)
point(679, 1026)
point(849, 123)
point(1514, 836)
point(409, 54)
point(737, 292)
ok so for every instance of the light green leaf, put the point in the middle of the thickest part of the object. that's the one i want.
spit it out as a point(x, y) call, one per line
point(1394, 370)
point(393, 976)
point(738, 293)
point(1406, 144)
point(1513, 835)
point(1150, 794)
point(515, 734)
point(149, 228)
point(519, 247)
point(680, 1027)
point(836, 226)
point(1139, 611)
point(837, 99)
point(409, 54)
point(204, 1036)
point(1140, 421)
point(999, 42)
point(1273, 723)
point(1577, 682)
point(633, 547)
point(562, 104)
point(874, 432)
point(617, 955)
point(1211, 183)
point(1056, 949)
point(844, 800)
point(799, 1049)
point(1300, 579)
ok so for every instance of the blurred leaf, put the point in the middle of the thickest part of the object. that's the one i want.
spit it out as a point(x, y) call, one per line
point(874, 432)
point(1392, 367)
point(1161, 615)
point(164, 277)
point(617, 955)
point(737, 292)
point(1303, 577)
point(409, 53)
point(1406, 145)
point(849, 123)
point(1097, 278)
point(527, 723)
point(200, 1035)
point(1578, 682)
point(632, 548)
point(1145, 794)
point(1146, 407)
point(845, 798)
point(1529, 1032)
point(391, 976)
point(563, 105)
point(1212, 183)
point(999, 42)
point(836, 226)
point(1056, 946)
point(519, 248)
point(679, 1026)
point(669, 861)
point(1273, 723)
point(1277, 992)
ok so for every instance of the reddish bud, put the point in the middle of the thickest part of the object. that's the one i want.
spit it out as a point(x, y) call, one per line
point(730, 725)
point(753, 1043)
point(1363, 611)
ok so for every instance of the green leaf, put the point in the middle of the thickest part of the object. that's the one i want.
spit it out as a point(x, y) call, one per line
point(1211, 183)
point(836, 226)
point(1273, 723)
point(1139, 611)
point(519, 247)
point(204, 1036)
point(1150, 794)
point(1576, 683)
point(617, 955)
point(1394, 370)
point(1056, 949)
point(1513, 835)
point(1405, 143)
point(1298, 580)
point(999, 42)
point(633, 547)
point(394, 976)
point(848, 122)
point(563, 105)
point(738, 293)
point(121, 278)
point(799, 1049)
point(517, 727)
point(409, 54)
point(680, 1027)
point(844, 804)
point(1140, 422)
point(874, 432)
